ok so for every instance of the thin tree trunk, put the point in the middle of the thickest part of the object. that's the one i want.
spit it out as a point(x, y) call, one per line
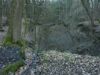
point(37, 29)
point(88, 13)
point(91, 17)
point(0, 14)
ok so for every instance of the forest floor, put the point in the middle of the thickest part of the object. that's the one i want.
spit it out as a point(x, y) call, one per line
point(63, 63)
point(9, 55)
point(51, 62)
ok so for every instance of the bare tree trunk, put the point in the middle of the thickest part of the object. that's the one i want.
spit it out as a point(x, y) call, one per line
point(88, 13)
point(91, 17)
point(0, 14)
point(37, 30)
point(15, 20)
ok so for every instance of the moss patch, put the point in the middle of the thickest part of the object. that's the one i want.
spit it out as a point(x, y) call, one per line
point(8, 41)
point(22, 53)
point(12, 67)
point(21, 43)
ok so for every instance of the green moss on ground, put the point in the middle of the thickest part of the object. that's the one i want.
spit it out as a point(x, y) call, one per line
point(12, 67)
point(15, 66)
point(21, 43)
point(22, 53)
point(8, 41)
